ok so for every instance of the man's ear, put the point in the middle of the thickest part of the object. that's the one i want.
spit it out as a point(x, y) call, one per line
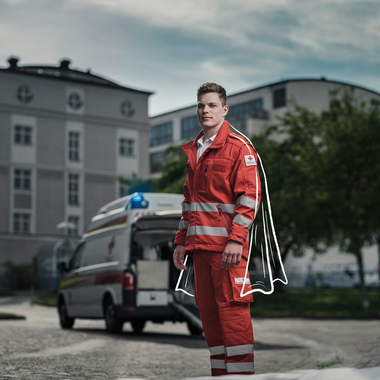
point(225, 110)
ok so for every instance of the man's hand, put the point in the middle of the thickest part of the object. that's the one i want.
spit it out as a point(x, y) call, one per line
point(178, 257)
point(232, 254)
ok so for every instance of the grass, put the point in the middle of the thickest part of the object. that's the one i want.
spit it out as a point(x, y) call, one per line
point(47, 300)
point(303, 303)
point(337, 360)
point(318, 303)
point(10, 316)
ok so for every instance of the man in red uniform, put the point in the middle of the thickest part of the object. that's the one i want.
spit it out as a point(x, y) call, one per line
point(221, 199)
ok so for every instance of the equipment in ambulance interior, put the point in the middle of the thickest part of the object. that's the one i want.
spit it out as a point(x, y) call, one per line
point(122, 268)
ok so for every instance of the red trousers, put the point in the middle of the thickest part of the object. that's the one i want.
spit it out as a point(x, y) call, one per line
point(225, 316)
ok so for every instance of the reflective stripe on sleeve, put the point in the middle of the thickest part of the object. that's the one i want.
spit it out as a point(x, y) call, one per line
point(245, 201)
point(183, 224)
point(218, 363)
point(185, 207)
point(217, 350)
point(212, 207)
point(240, 350)
point(240, 367)
point(245, 222)
point(204, 230)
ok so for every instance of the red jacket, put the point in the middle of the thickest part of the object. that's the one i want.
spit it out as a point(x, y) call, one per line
point(221, 193)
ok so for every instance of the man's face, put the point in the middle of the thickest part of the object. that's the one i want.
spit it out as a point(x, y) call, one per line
point(210, 110)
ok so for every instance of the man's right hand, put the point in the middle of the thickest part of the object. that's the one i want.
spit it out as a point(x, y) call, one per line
point(178, 257)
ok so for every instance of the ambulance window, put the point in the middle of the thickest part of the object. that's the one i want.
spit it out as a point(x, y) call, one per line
point(76, 258)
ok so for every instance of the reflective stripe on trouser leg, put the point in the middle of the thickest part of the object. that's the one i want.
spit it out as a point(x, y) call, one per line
point(238, 330)
point(209, 314)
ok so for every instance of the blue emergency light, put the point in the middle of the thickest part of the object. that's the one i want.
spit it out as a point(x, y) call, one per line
point(137, 201)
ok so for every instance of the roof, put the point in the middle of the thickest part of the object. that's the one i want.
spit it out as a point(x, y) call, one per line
point(273, 84)
point(65, 73)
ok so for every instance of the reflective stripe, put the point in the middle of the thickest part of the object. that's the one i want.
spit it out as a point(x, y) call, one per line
point(185, 207)
point(245, 201)
point(218, 363)
point(242, 221)
point(183, 224)
point(216, 350)
point(240, 350)
point(212, 207)
point(203, 230)
point(238, 281)
point(240, 367)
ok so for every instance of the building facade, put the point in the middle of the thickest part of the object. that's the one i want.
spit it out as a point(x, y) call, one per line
point(249, 111)
point(66, 136)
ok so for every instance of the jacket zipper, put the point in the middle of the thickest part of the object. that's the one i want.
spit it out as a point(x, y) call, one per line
point(223, 217)
point(205, 179)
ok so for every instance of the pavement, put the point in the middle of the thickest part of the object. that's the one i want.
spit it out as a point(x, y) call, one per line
point(285, 349)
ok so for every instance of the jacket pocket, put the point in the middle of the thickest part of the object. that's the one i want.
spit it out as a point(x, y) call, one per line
point(237, 282)
point(224, 220)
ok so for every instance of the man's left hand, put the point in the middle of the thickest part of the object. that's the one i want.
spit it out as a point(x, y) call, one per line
point(232, 254)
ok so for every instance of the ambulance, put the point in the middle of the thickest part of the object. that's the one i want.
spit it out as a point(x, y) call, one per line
point(122, 268)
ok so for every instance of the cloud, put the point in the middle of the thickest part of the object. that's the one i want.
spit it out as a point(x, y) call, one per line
point(172, 46)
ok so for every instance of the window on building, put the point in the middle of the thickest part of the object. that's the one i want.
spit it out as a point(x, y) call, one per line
point(73, 189)
point(126, 147)
point(156, 161)
point(74, 146)
point(22, 179)
point(23, 135)
point(21, 223)
point(73, 225)
point(161, 134)
point(190, 127)
point(279, 98)
point(239, 113)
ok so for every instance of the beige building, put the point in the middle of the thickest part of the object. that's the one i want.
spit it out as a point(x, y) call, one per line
point(66, 135)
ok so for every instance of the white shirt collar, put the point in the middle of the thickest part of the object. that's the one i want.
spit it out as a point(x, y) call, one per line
point(201, 140)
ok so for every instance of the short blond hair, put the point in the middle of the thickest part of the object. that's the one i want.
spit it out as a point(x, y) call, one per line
point(213, 87)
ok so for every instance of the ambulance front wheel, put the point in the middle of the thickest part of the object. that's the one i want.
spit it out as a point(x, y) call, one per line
point(113, 324)
point(193, 329)
point(138, 326)
point(65, 321)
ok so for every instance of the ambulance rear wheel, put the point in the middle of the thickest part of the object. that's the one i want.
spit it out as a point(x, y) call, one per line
point(113, 324)
point(138, 326)
point(65, 321)
point(193, 329)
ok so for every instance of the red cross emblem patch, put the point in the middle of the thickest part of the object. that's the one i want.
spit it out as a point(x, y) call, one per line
point(249, 160)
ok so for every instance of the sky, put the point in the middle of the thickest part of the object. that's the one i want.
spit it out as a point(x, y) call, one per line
point(171, 47)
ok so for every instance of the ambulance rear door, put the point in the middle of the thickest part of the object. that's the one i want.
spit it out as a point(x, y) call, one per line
point(153, 237)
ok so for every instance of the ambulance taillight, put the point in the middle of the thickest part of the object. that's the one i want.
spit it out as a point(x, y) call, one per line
point(128, 281)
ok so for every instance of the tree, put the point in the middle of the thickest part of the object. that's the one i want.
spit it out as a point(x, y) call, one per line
point(326, 188)
point(351, 163)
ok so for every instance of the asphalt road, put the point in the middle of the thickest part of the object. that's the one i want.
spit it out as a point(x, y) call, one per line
point(37, 348)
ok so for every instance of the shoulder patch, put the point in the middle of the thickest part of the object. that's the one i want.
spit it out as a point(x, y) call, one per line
point(250, 160)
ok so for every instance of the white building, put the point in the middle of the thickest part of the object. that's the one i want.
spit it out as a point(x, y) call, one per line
point(250, 111)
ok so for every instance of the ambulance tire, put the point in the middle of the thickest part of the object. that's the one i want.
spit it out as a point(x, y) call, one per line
point(65, 321)
point(138, 326)
point(113, 324)
point(193, 329)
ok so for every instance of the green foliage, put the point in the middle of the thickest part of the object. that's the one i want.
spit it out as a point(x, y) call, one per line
point(19, 275)
point(174, 171)
point(137, 184)
point(321, 303)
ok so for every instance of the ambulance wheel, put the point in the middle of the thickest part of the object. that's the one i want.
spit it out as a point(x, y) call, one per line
point(193, 329)
point(65, 321)
point(113, 324)
point(138, 326)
